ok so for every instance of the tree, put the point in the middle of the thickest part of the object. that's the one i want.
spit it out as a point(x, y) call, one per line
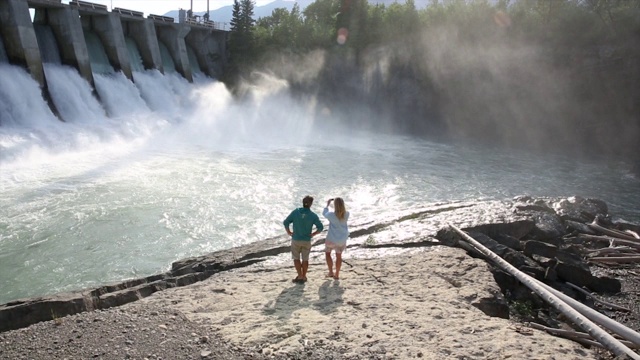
point(320, 19)
point(281, 31)
point(241, 41)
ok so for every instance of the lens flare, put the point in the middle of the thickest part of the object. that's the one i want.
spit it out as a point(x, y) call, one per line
point(343, 34)
point(502, 19)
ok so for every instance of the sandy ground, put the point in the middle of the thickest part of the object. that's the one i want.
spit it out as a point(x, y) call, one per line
point(416, 304)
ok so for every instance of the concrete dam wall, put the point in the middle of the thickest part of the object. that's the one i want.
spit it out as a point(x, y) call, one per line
point(92, 39)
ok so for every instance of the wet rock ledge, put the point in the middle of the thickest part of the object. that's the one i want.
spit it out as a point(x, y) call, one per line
point(551, 239)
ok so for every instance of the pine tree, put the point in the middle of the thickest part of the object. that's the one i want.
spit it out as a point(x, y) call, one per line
point(241, 41)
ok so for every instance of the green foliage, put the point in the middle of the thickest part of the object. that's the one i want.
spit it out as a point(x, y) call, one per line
point(523, 309)
point(371, 240)
point(559, 24)
point(320, 19)
point(281, 31)
point(56, 319)
point(242, 49)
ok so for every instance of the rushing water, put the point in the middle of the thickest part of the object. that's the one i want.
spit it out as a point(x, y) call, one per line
point(166, 170)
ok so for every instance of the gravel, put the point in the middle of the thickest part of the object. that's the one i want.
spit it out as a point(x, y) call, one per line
point(128, 332)
point(139, 332)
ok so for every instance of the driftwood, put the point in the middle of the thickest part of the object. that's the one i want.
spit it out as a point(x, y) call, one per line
point(617, 259)
point(580, 337)
point(633, 233)
point(611, 232)
point(610, 240)
point(613, 250)
point(609, 305)
point(603, 337)
point(605, 321)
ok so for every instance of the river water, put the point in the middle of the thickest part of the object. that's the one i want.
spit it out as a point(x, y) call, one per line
point(163, 170)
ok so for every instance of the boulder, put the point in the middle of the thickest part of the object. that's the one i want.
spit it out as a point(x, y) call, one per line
point(548, 228)
point(533, 247)
point(605, 285)
point(516, 229)
point(575, 273)
point(509, 241)
point(579, 209)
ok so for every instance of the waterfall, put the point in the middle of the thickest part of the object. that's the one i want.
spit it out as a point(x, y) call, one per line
point(47, 44)
point(3, 54)
point(163, 93)
point(193, 61)
point(134, 55)
point(97, 55)
point(72, 95)
point(167, 60)
point(119, 95)
point(21, 101)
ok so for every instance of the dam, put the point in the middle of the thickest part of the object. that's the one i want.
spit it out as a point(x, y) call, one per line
point(93, 40)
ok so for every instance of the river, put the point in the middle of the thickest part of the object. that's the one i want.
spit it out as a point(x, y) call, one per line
point(164, 169)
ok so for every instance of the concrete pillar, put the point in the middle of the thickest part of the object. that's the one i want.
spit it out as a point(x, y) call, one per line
point(172, 35)
point(143, 32)
point(109, 29)
point(67, 28)
point(20, 39)
point(210, 48)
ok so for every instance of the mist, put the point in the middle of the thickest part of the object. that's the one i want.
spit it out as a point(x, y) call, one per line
point(484, 79)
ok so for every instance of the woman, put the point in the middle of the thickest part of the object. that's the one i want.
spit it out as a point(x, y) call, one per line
point(337, 235)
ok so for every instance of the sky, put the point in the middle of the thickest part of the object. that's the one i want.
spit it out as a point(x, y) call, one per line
point(161, 7)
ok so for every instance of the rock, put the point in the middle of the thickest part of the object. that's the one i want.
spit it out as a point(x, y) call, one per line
point(509, 241)
point(574, 226)
point(605, 285)
point(579, 209)
point(516, 229)
point(494, 307)
point(548, 228)
point(575, 273)
point(532, 247)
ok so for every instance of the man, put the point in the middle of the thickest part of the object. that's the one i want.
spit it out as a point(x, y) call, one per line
point(303, 220)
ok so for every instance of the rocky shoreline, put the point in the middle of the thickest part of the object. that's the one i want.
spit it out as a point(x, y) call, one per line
point(406, 281)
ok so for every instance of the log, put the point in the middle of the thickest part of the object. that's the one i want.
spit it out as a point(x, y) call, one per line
point(615, 233)
point(576, 336)
point(614, 250)
point(610, 305)
point(617, 259)
point(609, 239)
point(633, 233)
point(590, 313)
point(607, 322)
point(603, 337)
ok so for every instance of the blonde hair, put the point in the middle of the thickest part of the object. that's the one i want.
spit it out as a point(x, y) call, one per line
point(340, 210)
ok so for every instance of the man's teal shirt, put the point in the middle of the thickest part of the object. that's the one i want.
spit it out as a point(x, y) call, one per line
point(303, 220)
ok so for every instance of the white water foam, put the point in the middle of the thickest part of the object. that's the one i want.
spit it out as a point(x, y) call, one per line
point(120, 97)
point(21, 101)
point(72, 95)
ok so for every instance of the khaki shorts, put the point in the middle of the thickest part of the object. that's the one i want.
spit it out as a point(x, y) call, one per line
point(339, 248)
point(300, 247)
